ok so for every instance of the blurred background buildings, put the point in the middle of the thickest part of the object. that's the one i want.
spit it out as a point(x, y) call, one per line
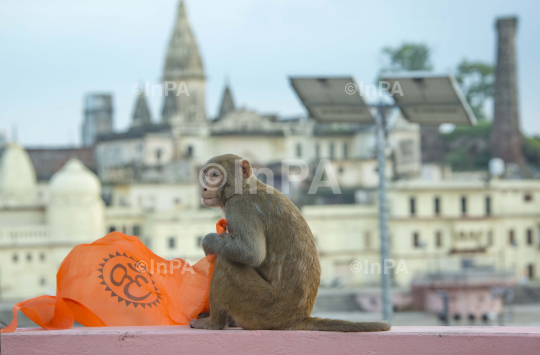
point(459, 228)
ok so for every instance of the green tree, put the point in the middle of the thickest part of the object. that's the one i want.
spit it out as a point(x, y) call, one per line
point(476, 80)
point(531, 150)
point(407, 57)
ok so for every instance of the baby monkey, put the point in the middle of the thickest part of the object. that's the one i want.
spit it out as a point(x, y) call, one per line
point(267, 270)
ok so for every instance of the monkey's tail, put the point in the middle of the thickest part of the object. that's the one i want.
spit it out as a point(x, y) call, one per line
point(334, 325)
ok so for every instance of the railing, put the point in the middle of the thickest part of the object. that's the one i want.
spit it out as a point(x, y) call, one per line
point(183, 340)
point(13, 236)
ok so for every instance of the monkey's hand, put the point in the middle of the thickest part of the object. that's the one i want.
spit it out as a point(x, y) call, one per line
point(210, 242)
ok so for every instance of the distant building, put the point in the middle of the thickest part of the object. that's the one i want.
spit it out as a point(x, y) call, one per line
point(41, 222)
point(183, 139)
point(435, 226)
point(98, 117)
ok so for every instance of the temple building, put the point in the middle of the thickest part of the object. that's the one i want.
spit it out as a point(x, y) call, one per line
point(172, 147)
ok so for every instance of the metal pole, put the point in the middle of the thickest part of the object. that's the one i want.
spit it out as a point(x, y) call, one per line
point(387, 308)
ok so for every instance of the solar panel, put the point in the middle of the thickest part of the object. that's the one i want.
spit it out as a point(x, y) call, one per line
point(332, 99)
point(429, 99)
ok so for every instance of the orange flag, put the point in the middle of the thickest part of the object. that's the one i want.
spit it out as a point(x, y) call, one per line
point(118, 281)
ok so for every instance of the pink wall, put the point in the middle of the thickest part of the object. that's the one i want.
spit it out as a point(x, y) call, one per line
point(182, 339)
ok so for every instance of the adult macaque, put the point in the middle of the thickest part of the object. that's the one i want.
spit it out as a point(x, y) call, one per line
point(267, 270)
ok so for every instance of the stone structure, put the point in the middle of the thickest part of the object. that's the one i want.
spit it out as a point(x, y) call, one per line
point(184, 80)
point(98, 117)
point(141, 114)
point(506, 139)
point(227, 103)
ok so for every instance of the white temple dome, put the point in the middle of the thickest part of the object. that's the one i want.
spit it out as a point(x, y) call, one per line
point(75, 180)
point(17, 175)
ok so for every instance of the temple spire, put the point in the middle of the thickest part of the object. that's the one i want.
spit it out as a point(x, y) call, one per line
point(141, 114)
point(183, 59)
point(227, 102)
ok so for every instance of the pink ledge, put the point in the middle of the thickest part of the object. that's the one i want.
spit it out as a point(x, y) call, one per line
point(182, 339)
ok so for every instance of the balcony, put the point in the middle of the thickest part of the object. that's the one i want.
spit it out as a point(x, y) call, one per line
point(182, 339)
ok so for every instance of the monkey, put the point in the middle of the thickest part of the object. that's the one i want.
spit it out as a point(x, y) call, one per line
point(267, 273)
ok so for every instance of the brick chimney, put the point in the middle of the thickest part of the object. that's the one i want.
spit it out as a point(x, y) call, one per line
point(506, 139)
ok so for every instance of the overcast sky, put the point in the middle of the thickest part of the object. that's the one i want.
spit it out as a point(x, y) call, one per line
point(53, 52)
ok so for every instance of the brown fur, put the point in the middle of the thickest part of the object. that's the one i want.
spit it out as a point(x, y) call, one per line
point(267, 270)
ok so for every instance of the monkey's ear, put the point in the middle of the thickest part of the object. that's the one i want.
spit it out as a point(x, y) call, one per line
point(246, 169)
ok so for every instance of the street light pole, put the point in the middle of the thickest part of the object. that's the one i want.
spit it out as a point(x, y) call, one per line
point(423, 98)
point(386, 297)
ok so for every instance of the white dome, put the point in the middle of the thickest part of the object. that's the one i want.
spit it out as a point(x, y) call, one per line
point(75, 180)
point(17, 175)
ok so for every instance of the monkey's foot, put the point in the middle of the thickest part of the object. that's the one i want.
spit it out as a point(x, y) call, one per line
point(203, 323)
point(204, 315)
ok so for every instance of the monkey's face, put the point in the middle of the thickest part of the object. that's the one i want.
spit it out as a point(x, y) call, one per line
point(214, 180)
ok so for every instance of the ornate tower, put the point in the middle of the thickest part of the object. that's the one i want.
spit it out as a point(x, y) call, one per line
point(141, 114)
point(227, 102)
point(506, 139)
point(184, 80)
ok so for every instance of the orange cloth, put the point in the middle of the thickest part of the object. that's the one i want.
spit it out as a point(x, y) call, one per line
point(118, 281)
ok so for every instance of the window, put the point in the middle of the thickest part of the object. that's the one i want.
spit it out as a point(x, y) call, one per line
point(332, 151)
point(124, 229)
point(529, 236)
point(317, 150)
point(530, 271)
point(29, 257)
point(464, 205)
point(345, 151)
point(438, 239)
point(416, 240)
point(111, 229)
point(437, 206)
point(488, 206)
point(528, 197)
point(367, 240)
point(136, 230)
point(199, 241)
point(158, 155)
point(512, 238)
point(412, 206)
point(42, 256)
point(172, 242)
point(298, 150)
point(42, 281)
point(15, 258)
point(189, 152)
